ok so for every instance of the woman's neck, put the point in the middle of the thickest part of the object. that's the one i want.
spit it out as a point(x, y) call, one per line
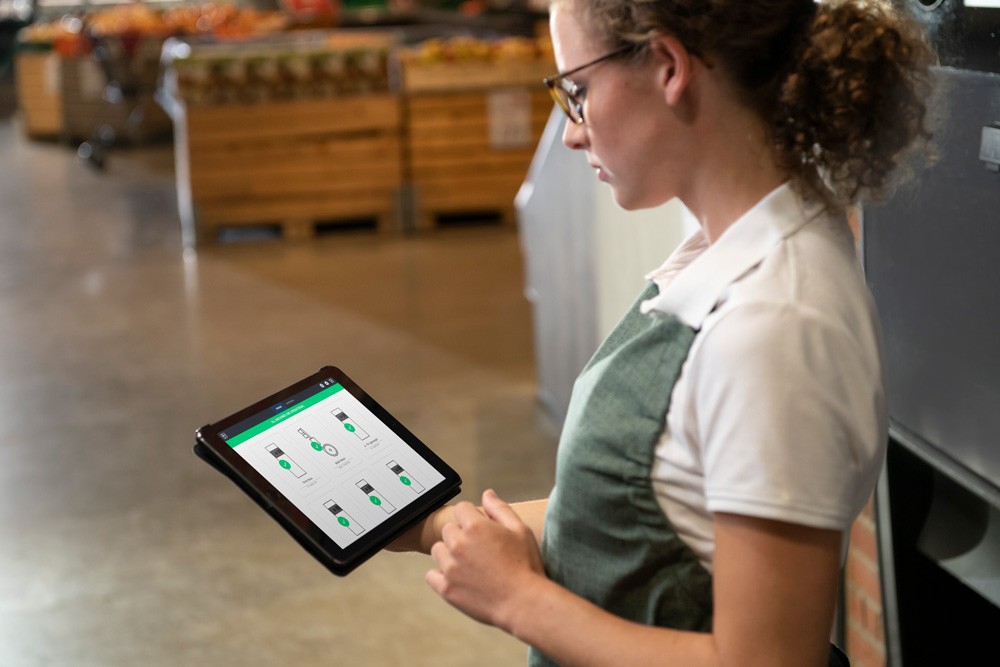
point(734, 167)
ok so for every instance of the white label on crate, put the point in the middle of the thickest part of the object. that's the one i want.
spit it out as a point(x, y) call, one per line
point(92, 80)
point(50, 74)
point(510, 118)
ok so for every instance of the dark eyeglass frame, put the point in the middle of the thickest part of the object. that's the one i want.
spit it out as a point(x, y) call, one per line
point(568, 95)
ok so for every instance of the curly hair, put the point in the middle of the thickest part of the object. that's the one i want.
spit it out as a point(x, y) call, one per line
point(841, 85)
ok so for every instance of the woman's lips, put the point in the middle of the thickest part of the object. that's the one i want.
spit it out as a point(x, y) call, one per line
point(601, 173)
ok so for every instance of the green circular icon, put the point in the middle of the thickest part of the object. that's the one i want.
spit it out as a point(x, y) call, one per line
point(315, 445)
point(284, 464)
point(375, 500)
point(405, 480)
point(343, 522)
point(349, 427)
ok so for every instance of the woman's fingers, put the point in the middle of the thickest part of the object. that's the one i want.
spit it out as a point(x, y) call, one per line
point(500, 511)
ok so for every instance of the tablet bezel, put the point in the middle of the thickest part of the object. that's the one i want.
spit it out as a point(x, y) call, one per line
point(339, 560)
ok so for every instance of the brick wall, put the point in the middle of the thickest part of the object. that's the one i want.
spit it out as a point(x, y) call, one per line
point(864, 636)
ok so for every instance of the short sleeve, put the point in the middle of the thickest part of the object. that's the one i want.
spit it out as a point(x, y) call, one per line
point(789, 413)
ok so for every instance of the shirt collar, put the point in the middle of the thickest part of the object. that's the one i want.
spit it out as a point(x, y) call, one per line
point(697, 275)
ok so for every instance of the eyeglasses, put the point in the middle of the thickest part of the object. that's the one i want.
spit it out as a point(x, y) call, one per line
point(568, 95)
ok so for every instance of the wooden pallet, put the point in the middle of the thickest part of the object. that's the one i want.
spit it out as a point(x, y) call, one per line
point(287, 229)
point(295, 164)
point(39, 95)
point(469, 153)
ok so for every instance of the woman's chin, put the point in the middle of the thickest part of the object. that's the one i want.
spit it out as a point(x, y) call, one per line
point(629, 202)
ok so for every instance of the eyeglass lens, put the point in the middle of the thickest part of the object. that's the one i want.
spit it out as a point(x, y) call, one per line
point(567, 100)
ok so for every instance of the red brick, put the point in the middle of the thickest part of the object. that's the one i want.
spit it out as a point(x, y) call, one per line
point(864, 574)
point(856, 611)
point(863, 652)
point(864, 632)
point(874, 625)
point(856, 553)
point(856, 645)
point(864, 612)
point(864, 617)
point(863, 538)
point(854, 637)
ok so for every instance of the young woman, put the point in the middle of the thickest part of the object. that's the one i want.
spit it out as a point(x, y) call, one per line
point(723, 439)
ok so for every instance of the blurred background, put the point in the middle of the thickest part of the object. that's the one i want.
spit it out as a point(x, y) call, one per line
point(205, 201)
point(201, 203)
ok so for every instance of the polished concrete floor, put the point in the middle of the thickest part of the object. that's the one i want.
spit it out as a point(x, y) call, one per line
point(117, 545)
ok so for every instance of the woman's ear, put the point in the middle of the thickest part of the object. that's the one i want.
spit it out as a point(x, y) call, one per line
point(676, 68)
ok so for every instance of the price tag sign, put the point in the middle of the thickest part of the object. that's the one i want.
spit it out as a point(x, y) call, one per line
point(509, 114)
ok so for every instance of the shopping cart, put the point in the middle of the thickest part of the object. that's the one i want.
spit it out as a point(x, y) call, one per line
point(129, 62)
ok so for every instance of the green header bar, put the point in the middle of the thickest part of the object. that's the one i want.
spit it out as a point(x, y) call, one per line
point(282, 416)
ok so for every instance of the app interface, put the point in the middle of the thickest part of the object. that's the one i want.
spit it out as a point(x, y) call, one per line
point(333, 458)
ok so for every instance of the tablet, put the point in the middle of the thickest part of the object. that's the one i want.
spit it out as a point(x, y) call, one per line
point(330, 465)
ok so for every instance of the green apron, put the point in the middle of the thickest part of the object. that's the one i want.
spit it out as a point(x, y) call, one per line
point(606, 538)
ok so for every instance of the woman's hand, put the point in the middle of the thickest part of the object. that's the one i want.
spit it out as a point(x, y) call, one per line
point(486, 561)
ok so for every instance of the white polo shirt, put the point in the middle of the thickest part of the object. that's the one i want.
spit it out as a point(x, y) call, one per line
point(780, 410)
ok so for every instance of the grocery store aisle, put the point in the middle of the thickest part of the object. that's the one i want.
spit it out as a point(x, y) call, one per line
point(119, 547)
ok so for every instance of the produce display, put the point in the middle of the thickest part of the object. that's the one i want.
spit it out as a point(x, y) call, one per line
point(298, 65)
point(466, 63)
point(456, 50)
point(223, 21)
point(319, 64)
point(73, 35)
point(222, 53)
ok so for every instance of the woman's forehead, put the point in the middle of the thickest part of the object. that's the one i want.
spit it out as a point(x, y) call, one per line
point(571, 42)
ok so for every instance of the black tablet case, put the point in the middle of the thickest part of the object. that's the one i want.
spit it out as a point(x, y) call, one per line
point(339, 569)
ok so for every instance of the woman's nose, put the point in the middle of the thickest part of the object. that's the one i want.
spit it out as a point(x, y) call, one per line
point(574, 136)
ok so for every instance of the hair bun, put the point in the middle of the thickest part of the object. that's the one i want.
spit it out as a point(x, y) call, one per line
point(854, 100)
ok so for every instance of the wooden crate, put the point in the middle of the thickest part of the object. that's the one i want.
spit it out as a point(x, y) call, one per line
point(39, 95)
point(467, 76)
point(468, 152)
point(295, 164)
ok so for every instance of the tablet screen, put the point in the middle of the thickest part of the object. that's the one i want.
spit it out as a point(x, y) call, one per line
point(333, 459)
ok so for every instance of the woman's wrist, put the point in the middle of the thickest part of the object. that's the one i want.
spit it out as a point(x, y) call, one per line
point(433, 526)
point(421, 537)
point(521, 616)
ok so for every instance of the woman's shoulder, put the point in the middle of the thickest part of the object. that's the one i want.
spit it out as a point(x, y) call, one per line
point(804, 310)
point(812, 278)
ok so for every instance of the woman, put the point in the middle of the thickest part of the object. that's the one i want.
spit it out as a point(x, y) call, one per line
point(723, 439)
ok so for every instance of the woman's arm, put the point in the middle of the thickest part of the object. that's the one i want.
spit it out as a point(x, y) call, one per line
point(774, 591)
point(425, 534)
